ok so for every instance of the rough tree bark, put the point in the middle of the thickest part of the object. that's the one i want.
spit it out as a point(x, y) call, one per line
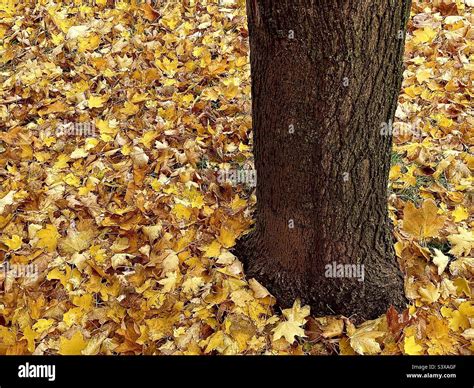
point(325, 75)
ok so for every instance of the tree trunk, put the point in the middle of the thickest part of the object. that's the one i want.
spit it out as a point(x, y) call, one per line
point(325, 78)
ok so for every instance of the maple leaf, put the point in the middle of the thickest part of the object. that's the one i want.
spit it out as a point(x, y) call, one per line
point(460, 214)
point(42, 325)
point(192, 285)
point(76, 241)
point(73, 346)
point(30, 335)
point(96, 101)
point(213, 249)
point(216, 342)
point(13, 243)
point(120, 260)
point(227, 237)
point(79, 153)
point(89, 43)
point(462, 243)
point(182, 212)
point(48, 238)
point(430, 293)
point(440, 342)
point(129, 108)
point(169, 282)
point(297, 313)
point(288, 330)
point(423, 222)
point(170, 262)
point(462, 286)
point(457, 320)
point(72, 180)
point(411, 347)
point(152, 231)
point(364, 339)
point(424, 35)
point(295, 318)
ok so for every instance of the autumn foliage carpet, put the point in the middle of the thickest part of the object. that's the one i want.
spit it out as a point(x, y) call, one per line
point(130, 229)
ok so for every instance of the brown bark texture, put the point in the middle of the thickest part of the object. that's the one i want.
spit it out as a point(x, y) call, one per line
point(325, 77)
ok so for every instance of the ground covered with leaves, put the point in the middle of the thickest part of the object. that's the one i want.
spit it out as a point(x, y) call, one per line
point(129, 227)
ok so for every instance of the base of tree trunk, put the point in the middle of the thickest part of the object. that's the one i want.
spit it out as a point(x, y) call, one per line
point(383, 285)
point(325, 80)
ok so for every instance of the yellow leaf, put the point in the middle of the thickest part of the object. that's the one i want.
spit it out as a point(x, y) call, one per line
point(75, 32)
point(423, 222)
point(72, 180)
point(107, 129)
point(73, 316)
point(56, 107)
point(73, 346)
point(411, 347)
point(295, 318)
point(30, 335)
point(89, 43)
point(457, 320)
point(192, 285)
point(461, 243)
point(440, 341)
point(182, 212)
point(48, 238)
point(364, 339)
point(288, 330)
point(79, 153)
point(170, 262)
point(213, 249)
point(297, 313)
point(227, 237)
point(424, 36)
point(6, 200)
point(462, 286)
point(195, 197)
point(238, 203)
point(259, 291)
point(96, 101)
point(345, 348)
point(460, 214)
point(61, 162)
point(129, 108)
point(430, 293)
point(83, 301)
point(77, 241)
point(13, 243)
point(395, 172)
point(43, 325)
point(444, 122)
point(440, 260)
point(169, 282)
point(423, 75)
point(171, 21)
point(152, 231)
point(57, 274)
point(148, 138)
point(216, 342)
